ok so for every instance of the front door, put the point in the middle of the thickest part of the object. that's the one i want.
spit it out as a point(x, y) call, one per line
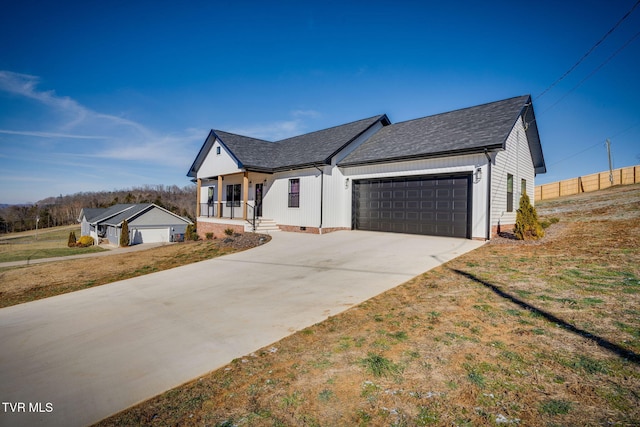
point(258, 199)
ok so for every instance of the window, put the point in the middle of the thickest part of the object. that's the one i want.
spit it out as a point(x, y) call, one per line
point(523, 186)
point(218, 150)
point(233, 195)
point(509, 192)
point(294, 193)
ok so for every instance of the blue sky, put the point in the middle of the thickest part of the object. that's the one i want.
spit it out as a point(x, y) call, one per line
point(108, 95)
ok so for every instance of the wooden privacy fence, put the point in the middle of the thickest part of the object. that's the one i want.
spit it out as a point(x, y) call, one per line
point(584, 184)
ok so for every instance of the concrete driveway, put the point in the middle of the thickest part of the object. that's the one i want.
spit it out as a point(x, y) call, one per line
point(75, 359)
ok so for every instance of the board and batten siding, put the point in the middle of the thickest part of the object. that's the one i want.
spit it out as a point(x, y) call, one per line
point(516, 160)
point(218, 164)
point(464, 164)
point(276, 199)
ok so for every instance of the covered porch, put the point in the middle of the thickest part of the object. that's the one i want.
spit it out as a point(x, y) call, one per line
point(234, 199)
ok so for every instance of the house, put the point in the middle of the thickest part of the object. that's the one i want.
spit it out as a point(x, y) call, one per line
point(147, 222)
point(459, 173)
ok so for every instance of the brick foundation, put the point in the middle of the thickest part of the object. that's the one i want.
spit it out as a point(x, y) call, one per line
point(501, 228)
point(217, 229)
point(310, 230)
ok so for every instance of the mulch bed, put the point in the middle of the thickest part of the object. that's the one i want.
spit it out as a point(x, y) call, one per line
point(551, 233)
point(244, 241)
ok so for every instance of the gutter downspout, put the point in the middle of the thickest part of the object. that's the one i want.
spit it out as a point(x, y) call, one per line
point(321, 195)
point(486, 153)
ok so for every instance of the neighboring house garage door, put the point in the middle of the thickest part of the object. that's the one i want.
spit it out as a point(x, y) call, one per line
point(150, 235)
point(437, 206)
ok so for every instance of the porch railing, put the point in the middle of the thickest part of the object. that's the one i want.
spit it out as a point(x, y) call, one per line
point(252, 214)
point(231, 211)
point(208, 210)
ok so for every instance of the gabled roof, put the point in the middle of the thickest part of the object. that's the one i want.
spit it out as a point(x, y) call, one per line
point(127, 214)
point(247, 151)
point(114, 215)
point(320, 146)
point(469, 130)
point(100, 214)
point(91, 213)
point(299, 151)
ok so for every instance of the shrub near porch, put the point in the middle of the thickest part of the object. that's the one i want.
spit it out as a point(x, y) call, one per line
point(217, 229)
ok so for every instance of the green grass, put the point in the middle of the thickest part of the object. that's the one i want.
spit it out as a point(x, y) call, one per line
point(380, 366)
point(29, 254)
point(49, 244)
point(555, 407)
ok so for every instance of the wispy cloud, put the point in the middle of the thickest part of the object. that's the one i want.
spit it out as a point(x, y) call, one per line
point(281, 129)
point(67, 147)
point(25, 85)
point(121, 138)
point(50, 134)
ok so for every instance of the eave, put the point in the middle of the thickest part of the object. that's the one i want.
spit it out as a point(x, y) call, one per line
point(462, 152)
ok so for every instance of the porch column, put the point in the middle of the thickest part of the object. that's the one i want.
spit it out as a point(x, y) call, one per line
point(245, 193)
point(219, 213)
point(199, 183)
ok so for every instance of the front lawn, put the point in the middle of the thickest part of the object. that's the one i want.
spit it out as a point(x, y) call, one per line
point(543, 334)
point(47, 243)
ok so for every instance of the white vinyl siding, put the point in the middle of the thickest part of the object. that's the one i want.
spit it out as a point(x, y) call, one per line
point(514, 160)
point(218, 164)
point(276, 195)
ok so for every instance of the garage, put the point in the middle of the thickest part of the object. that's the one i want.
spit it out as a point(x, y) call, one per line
point(150, 235)
point(431, 205)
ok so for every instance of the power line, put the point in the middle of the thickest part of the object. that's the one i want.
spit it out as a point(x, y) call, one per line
point(626, 15)
point(628, 42)
point(576, 154)
point(595, 145)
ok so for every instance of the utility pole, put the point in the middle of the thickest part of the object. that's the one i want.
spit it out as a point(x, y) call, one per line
point(610, 164)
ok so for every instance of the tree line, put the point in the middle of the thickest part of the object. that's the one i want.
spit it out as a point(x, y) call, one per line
point(64, 210)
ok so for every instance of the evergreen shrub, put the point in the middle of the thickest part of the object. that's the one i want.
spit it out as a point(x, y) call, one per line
point(124, 234)
point(191, 233)
point(527, 225)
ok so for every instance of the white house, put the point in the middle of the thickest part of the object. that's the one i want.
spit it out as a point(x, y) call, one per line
point(147, 223)
point(459, 173)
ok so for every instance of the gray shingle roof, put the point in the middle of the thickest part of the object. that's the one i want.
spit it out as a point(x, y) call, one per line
point(91, 213)
point(303, 150)
point(467, 130)
point(102, 214)
point(127, 213)
point(249, 151)
point(114, 215)
point(320, 146)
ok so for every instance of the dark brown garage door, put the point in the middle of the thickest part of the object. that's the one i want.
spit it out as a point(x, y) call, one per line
point(437, 206)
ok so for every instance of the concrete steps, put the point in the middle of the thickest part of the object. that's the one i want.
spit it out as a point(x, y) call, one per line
point(265, 226)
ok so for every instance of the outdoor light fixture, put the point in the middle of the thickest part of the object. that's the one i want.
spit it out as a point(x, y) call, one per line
point(478, 174)
point(346, 183)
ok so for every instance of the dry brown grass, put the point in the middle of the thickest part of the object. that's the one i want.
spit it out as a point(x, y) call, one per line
point(32, 282)
point(541, 334)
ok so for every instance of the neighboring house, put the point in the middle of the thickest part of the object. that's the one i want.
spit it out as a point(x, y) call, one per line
point(458, 174)
point(148, 223)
